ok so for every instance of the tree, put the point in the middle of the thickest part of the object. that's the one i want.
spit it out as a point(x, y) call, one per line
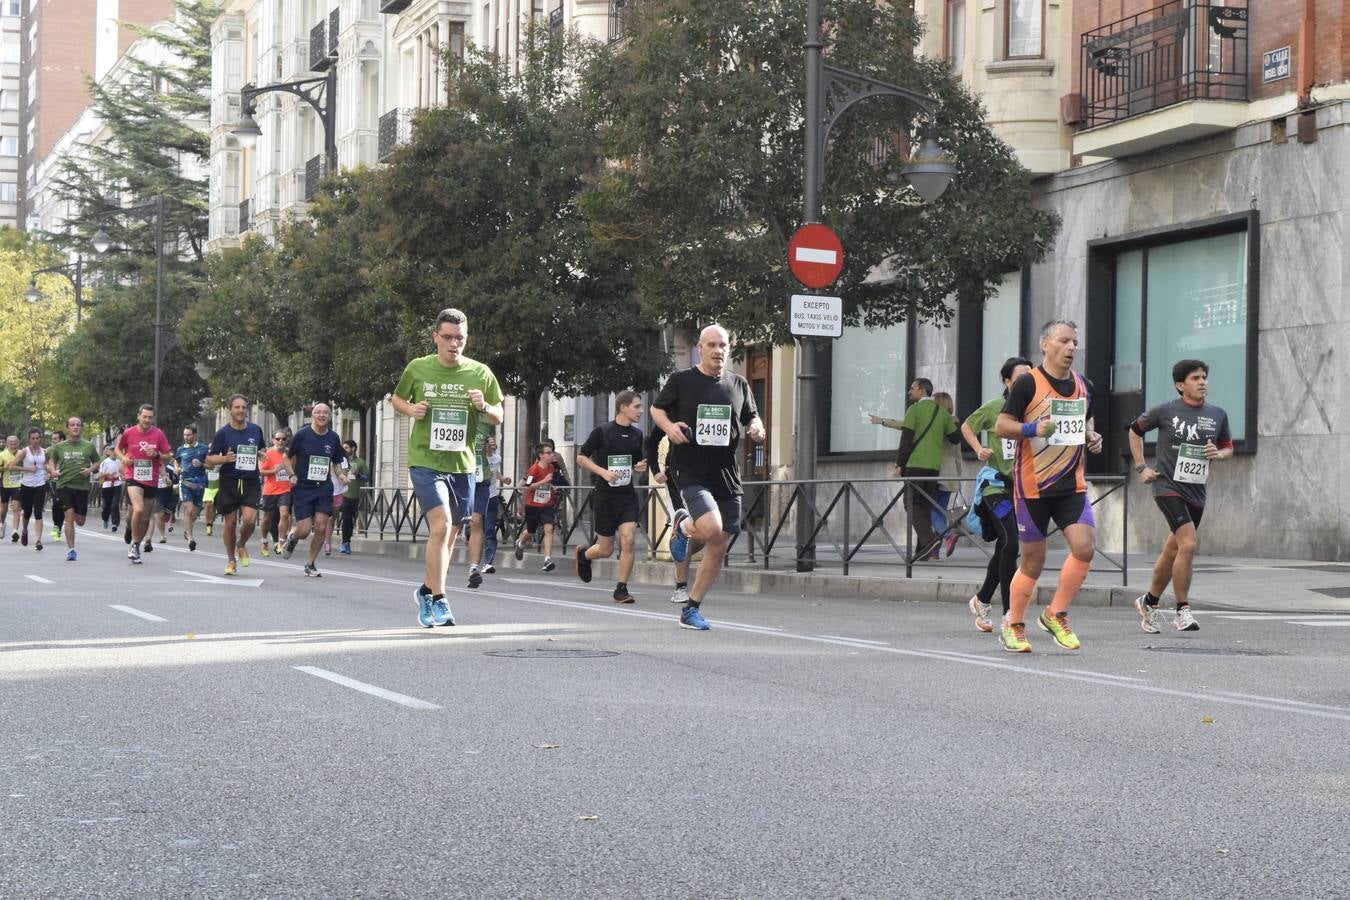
point(30, 332)
point(704, 106)
point(479, 211)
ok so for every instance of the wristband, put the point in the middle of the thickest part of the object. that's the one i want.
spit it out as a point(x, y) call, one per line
point(1029, 429)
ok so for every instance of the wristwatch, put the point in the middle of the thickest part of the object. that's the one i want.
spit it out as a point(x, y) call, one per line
point(1140, 468)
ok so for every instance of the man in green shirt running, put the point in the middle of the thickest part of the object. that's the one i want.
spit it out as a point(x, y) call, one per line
point(448, 396)
point(71, 464)
point(925, 426)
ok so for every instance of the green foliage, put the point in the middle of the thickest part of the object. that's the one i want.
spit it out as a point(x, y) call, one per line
point(705, 106)
point(30, 332)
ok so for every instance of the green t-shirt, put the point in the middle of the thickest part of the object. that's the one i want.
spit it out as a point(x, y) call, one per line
point(927, 453)
point(982, 421)
point(71, 457)
point(443, 440)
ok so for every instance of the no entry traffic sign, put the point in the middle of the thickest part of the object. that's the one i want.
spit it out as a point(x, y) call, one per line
point(815, 256)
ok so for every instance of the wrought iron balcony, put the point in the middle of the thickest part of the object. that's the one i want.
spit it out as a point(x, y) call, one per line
point(1181, 50)
point(318, 48)
point(334, 27)
point(619, 12)
point(245, 215)
point(395, 130)
point(315, 168)
point(555, 17)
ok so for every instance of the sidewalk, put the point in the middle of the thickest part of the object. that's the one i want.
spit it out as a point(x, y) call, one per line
point(1231, 583)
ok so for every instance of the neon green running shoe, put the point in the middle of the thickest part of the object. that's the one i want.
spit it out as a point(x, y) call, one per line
point(1014, 638)
point(1058, 627)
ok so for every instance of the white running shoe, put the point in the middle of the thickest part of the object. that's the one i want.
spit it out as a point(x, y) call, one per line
point(1149, 616)
point(1185, 620)
point(681, 596)
point(981, 613)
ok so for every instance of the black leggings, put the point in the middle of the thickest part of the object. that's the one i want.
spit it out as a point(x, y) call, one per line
point(351, 505)
point(1003, 563)
point(112, 505)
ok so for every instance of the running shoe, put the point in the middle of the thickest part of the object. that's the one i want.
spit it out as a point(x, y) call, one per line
point(39, 546)
point(692, 618)
point(244, 559)
point(231, 567)
point(981, 613)
point(23, 539)
point(681, 595)
point(287, 550)
point(679, 541)
point(520, 551)
point(14, 538)
point(475, 578)
point(440, 613)
point(345, 548)
point(210, 529)
point(134, 554)
point(1058, 627)
point(171, 524)
point(949, 544)
point(56, 533)
point(1149, 616)
point(192, 545)
point(312, 571)
point(423, 600)
point(1013, 637)
point(149, 546)
point(1185, 620)
point(163, 539)
point(621, 595)
point(266, 550)
point(70, 555)
point(327, 548)
point(583, 566)
point(489, 569)
point(548, 565)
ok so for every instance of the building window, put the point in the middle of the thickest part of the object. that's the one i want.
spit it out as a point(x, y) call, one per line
point(956, 34)
point(455, 40)
point(1001, 335)
point(1186, 295)
point(1022, 28)
point(9, 100)
point(9, 52)
point(9, 146)
point(14, 7)
point(9, 192)
point(868, 375)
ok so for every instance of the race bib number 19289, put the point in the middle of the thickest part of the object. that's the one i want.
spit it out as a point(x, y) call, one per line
point(449, 429)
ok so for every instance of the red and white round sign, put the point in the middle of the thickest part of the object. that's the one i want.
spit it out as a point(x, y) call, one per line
point(815, 256)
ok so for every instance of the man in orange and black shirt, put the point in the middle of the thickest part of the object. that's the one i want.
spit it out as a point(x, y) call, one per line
point(1047, 413)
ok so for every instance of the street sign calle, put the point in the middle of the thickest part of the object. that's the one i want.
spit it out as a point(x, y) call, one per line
point(1274, 65)
point(811, 315)
point(815, 256)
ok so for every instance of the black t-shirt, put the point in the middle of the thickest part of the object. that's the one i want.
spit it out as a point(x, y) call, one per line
point(1023, 391)
point(716, 410)
point(615, 447)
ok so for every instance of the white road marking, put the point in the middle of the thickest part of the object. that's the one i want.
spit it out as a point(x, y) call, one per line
point(1278, 700)
point(39, 579)
point(133, 611)
point(840, 637)
point(1104, 675)
point(392, 696)
point(1342, 624)
point(203, 578)
point(570, 587)
point(1283, 617)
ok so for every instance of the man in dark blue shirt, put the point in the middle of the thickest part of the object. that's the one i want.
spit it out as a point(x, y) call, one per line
point(236, 448)
point(191, 457)
point(316, 457)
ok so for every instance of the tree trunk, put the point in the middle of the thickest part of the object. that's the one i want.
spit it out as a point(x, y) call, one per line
point(533, 426)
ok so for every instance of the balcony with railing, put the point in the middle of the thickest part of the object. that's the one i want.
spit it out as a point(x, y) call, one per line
point(555, 17)
point(395, 130)
point(334, 30)
point(394, 7)
point(1184, 61)
point(315, 168)
point(323, 40)
point(246, 215)
point(619, 13)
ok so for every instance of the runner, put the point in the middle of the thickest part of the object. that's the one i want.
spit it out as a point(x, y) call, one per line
point(71, 464)
point(58, 508)
point(541, 504)
point(338, 479)
point(109, 483)
point(1047, 413)
point(209, 497)
point(658, 476)
point(32, 463)
point(166, 500)
point(276, 493)
point(358, 477)
point(495, 483)
point(314, 455)
point(191, 479)
point(10, 480)
point(482, 502)
point(703, 411)
point(449, 397)
point(235, 449)
point(1192, 433)
point(141, 449)
point(614, 455)
point(996, 506)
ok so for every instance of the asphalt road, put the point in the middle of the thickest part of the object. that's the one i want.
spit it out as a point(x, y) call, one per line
point(168, 734)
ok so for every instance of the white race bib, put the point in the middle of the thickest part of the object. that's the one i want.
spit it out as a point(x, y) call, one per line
point(246, 458)
point(712, 426)
point(1192, 467)
point(542, 494)
point(142, 470)
point(621, 465)
point(1009, 446)
point(449, 429)
point(318, 468)
point(212, 476)
point(1070, 421)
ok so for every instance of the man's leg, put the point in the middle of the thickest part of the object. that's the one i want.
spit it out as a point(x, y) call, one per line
point(1081, 539)
point(141, 508)
point(627, 539)
point(490, 532)
point(70, 528)
point(548, 540)
point(248, 522)
point(189, 517)
point(476, 536)
point(1164, 566)
point(1185, 540)
point(1023, 584)
point(269, 526)
point(602, 548)
point(321, 523)
point(438, 549)
point(707, 530)
point(231, 518)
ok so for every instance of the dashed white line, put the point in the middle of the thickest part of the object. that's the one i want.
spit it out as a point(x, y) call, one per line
point(39, 579)
point(392, 696)
point(133, 611)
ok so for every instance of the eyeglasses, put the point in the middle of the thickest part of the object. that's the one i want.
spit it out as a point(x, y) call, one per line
point(452, 338)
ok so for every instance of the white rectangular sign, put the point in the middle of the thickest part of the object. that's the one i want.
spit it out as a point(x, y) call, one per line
point(811, 315)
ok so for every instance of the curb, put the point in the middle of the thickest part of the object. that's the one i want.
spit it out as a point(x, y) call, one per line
point(755, 581)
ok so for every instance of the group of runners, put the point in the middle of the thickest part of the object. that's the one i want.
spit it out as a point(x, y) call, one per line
point(1033, 441)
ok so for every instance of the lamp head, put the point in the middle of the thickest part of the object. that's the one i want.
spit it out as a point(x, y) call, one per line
point(32, 295)
point(929, 171)
point(101, 241)
point(247, 131)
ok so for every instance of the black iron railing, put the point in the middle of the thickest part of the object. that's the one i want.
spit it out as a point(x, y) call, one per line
point(555, 17)
point(619, 11)
point(1178, 51)
point(333, 29)
point(394, 7)
point(395, 130)
point(318, 47)
point(315, 168)
point(245, 215)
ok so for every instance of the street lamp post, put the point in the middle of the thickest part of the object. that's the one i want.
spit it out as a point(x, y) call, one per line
point(33, 295)
point(928, 172)
point(319, 92)
point(102, 242)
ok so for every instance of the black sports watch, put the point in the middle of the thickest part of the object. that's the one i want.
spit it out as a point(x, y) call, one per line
point(1140, 468)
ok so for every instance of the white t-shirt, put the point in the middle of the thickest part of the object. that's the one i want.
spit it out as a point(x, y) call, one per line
point(109, 473)
point(494, 475)
point(38, 478)
point(339, 486)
